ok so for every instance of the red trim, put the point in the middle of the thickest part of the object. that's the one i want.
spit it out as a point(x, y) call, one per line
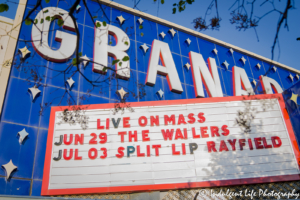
point(203, 80)
point(161, 73)
point(233, 80)
point(212, 76)
point(46, 57)
point(146, 82)
point(289, 127)
point(274, 89)
point(263, 86)
point(243, 86)
point(48, 151)
point(174, 186)
point(192, 67)
point(56, 39)
point(46, 191)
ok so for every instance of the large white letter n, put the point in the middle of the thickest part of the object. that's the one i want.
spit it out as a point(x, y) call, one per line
point(161, 50)
point(210, 79)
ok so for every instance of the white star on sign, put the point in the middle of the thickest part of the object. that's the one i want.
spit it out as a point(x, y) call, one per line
point(274, 68)
point(254, 82)
point(258, 65)
point(121, 19)
point(187, 65)
point(297, 76)
point(144, 47)
point(34, 91)
point(24, 51)
point(291, 77)
point(70, 81)
point(78, 7)
point(173, 32)
point(9, 168)
point(23, 134)
point(243, 60)
point(188, 41)
point(294, 98)
point(231, 51)
point(122, 93)
point(215, 51)
point(84, 59)
point(226, 64)
point(162, 34)
point(161, 93)
point(141, 21)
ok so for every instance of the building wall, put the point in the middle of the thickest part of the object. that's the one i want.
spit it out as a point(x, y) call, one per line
point(9, 34)
point(20, 111)
point(6, 25)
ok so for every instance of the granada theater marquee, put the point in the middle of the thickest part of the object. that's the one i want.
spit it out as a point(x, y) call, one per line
point(198, 112)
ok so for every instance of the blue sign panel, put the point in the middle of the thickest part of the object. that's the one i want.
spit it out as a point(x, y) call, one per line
point(44, 78)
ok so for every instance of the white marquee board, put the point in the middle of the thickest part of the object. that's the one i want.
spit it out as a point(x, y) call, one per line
point(205, 149)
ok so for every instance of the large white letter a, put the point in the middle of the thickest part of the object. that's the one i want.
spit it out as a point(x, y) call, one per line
point(161, 50)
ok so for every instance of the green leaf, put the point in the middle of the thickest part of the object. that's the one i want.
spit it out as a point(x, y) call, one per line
point(298, 38)
point(61, 14)
point(3, 7)
point(47, 1)
point(60, 22)
point(140, 26)
point(35, 21)
point(142, 34)
point(174, 4)
point(28, 21)
point(110, 43)
point(45, 11)
point(74, 61)
point(94, 17)
point(174, 10)
point(189, 1)
point(48, 18)
point(98, 24)
point(162, 1)
point(126, 43)
point(80, 54)
point(42, 20)
point(104, 23)
point(52, 18)
point(126, 58)
point(115, 61)
point(120, 64)
point(104, 69)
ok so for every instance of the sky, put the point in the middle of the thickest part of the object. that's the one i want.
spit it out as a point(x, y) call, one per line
point(11, 11)
point(289, 46)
